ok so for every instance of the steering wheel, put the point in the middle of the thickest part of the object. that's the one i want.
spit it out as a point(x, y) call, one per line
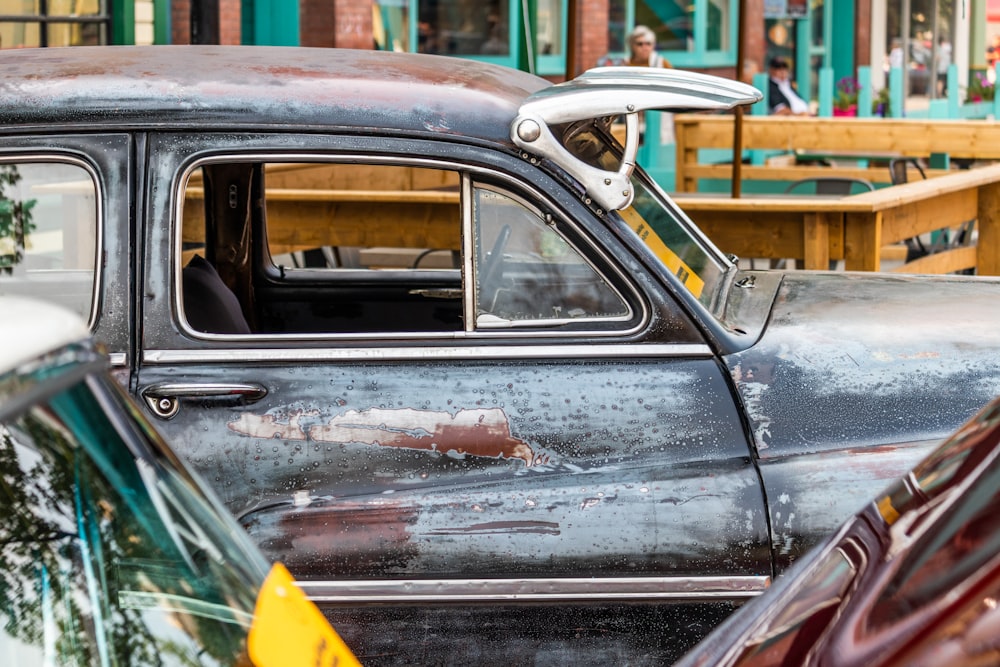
point(489, 277)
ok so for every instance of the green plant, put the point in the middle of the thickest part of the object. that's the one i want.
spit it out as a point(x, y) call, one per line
point(847, 93)
point(881, 105)
point(16, 223)
point(980, 89)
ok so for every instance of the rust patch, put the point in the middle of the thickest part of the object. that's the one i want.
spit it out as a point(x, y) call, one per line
point(478, 432)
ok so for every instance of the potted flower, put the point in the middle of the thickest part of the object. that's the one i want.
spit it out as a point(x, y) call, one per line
point(980, 88)
point(846, 103)
point(880, 103)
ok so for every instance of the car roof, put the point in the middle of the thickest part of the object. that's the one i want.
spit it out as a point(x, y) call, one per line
point(257, 86)
point(31, 328)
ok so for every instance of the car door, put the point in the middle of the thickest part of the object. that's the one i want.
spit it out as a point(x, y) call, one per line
point(422, 373)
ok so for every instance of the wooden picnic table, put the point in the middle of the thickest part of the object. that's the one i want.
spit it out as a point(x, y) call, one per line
point(856, 228)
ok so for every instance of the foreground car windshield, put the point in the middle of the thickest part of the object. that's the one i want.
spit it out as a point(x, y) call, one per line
point(661, 226)
point(107, 556)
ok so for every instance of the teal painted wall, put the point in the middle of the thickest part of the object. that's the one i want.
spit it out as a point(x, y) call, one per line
point(275, 22)
point(122, 22)
point(843, 20)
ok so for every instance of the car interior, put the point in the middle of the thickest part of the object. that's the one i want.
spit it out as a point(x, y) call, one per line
point(342, 248)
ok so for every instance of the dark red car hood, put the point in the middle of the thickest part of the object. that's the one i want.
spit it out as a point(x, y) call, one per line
point(912, 579)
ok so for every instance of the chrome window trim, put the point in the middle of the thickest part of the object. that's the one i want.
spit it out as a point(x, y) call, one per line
point(472, 352)
point(468, 252)
point(403, 591)
point(177, 215)
point(63, 158)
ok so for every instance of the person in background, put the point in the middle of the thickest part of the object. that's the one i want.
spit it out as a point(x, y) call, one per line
point(642, 53)
point(896, 53)
point(943, 63)
point(781, 97)
point(642, 49)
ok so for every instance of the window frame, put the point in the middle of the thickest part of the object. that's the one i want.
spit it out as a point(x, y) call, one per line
point(577, 237)
point(97, 287)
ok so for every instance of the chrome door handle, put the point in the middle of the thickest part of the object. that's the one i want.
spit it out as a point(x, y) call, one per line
point(164, 398)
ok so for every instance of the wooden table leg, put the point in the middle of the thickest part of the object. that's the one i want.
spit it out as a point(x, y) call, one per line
point(816, 240)
point(862, 241)
point(988, 220)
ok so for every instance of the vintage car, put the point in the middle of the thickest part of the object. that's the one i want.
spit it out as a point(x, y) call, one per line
point(912, 580)
point(111, 552)
point(450, 356)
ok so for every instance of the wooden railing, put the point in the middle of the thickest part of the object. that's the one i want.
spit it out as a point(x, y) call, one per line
point(857, 228)
point(876, 137)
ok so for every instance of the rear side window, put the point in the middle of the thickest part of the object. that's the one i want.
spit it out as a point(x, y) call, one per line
point(48, 233)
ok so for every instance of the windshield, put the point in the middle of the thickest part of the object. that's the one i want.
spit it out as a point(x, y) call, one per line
point(661, 226)
point(108, 554)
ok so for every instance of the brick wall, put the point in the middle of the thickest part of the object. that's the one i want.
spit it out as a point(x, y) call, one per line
point(230, 24)
point(316, 23)
point(591, 33)
point(353, 27)
point(341, 23)
point(180, 22)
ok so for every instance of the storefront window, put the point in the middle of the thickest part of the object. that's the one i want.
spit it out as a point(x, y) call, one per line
point(550, 27)
point(445, 27)
point(465, 28)
point(918, 31)
point(54, 23)
point(689, 33)
point(672, 21)
point(617, 22)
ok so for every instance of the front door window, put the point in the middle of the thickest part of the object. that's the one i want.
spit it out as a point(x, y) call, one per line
point(378, 249)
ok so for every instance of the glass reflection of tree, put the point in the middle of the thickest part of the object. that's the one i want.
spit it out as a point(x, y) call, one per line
point(75, 543)
point(15, 220)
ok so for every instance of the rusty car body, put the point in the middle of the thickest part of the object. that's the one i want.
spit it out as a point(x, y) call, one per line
point(911, 579)
point(444, 350)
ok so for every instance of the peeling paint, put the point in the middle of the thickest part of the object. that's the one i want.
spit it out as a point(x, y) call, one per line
point(481, 432)
point(268, 427)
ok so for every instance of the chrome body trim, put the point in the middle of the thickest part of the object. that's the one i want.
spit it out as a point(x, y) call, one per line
point(469, 305)
point(118, 359)
point(247, 392)
point(562, 352)
point(536, 590)
point(614, 91)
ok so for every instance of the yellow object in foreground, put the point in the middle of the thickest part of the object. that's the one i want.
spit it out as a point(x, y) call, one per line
point(675, 264)
point(288, 629)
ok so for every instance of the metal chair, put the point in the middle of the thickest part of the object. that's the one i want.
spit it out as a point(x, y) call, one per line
point(829, 186)
point(942, 239)
point(899, 169)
